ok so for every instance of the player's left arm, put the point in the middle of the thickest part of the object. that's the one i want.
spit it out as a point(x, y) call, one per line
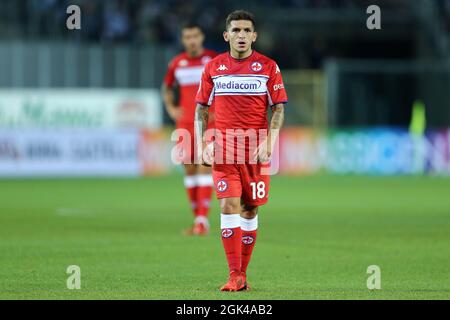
point(265, 149)
point(277, 99)
point(276, 122)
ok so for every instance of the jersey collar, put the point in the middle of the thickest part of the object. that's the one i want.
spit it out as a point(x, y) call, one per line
point(243, 59)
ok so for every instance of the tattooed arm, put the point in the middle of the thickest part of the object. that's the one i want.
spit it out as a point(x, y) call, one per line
point(265, 149)
point(201, 124)
point(277, 120)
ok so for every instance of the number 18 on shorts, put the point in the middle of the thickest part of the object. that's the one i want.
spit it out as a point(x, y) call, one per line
point(241, 180)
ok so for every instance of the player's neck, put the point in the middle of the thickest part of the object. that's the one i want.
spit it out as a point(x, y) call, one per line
point(241, 55)
point(195, 54)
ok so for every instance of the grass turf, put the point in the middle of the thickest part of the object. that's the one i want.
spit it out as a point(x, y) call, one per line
point(317, 237)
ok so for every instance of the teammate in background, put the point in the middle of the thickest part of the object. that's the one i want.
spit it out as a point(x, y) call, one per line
point(242, 84)
point(185, 70)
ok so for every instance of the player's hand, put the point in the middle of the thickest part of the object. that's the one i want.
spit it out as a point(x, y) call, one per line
point(263, 153)
point(208, 154)
point(175, 113)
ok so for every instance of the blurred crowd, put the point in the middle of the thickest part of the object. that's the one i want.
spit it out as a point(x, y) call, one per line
point(140, 20)
point(159, 21)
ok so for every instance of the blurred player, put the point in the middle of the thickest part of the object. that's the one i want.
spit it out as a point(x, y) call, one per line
point(242, 83)
point(185, 70)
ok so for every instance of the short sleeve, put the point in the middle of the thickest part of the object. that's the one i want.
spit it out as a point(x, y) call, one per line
point(275, 87)
point(205, 93)
point(169, 78)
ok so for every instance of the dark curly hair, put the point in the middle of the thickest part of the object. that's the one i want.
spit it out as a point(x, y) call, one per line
point(240, 15)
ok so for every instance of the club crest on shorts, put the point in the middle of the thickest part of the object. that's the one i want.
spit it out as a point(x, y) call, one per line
point(247, 240)
point(226, 233)
point(256, 66)
point(222, 185)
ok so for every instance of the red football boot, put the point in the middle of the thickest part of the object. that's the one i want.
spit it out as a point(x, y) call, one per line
point(198, 229)
point(201, 229)
point(246, 285)
point(236, 282)
point(189, 231)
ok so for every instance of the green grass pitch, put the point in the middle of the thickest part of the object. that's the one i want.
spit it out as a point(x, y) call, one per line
point(317, 237)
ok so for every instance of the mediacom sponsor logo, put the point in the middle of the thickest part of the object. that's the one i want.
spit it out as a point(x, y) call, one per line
point(239, 85)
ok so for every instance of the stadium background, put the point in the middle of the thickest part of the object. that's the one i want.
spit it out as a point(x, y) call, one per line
point(363, 165)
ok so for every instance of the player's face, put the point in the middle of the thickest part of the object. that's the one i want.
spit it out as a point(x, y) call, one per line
point(192, 39)
point(241, 35)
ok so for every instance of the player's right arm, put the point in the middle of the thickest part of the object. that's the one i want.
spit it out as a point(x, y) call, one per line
point(204, 99)
point(168, 94)
point(201, 123)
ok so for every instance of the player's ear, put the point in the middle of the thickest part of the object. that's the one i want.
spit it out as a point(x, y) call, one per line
point(255, 35)
point(225, 36)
